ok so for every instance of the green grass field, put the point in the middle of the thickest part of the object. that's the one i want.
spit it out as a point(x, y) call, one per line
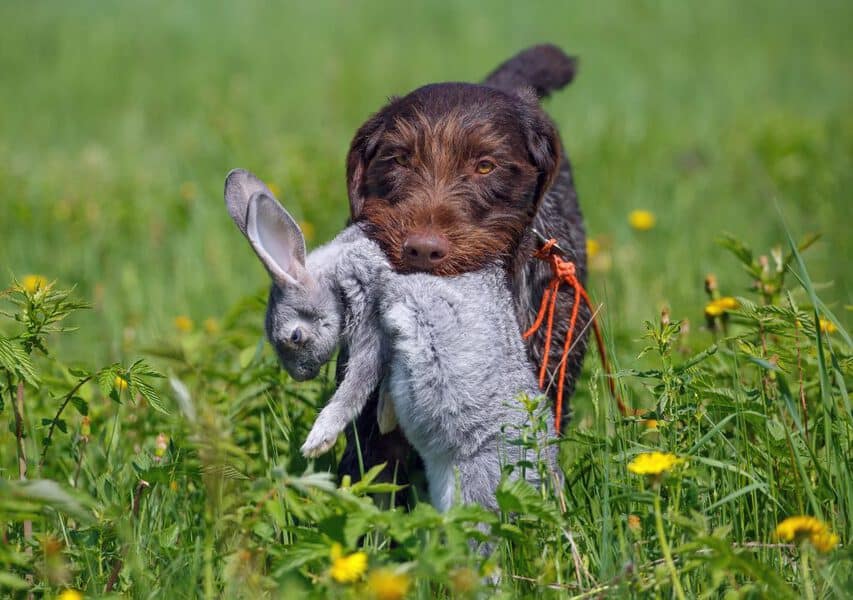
point(118, 123)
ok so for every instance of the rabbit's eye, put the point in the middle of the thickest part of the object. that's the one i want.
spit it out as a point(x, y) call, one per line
point(296, 335)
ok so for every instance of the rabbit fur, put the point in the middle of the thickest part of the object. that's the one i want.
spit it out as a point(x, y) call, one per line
point(447, 351)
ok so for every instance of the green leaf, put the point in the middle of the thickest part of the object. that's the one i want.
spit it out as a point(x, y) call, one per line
point(80, 405)
point(14, 359)
point(518, 496)
point(137, 375)
point(45, 492)
point(10, 580)
point(737, 494)
point(741, 251)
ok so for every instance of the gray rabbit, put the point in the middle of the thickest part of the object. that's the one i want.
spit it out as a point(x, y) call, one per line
point(447, 350)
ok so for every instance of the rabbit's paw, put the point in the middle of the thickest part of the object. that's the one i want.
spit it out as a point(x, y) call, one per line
point(323, 435)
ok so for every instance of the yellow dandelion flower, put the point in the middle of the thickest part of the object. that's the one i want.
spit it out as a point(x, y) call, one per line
point(712, 309)
point(827, 326)
point(386, 584)
point(718, 307)
point(70, 595)
point(308, 230)
point(34, 283)
point(593, 247)
point(728, 303)
point(800, 528)
point(173, 485)
point(347, 568)
point(211, 325)
point(653, 463)
point(183, 323)
point(824, 542)
point(651, 423)
point(641, 220)
point(120, 383)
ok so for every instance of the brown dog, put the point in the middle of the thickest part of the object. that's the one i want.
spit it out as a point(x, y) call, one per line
point(456, 175)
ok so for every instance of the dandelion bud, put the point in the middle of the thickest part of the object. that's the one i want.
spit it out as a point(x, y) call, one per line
point(711, 284)
point(633, 522)
point(120, 383)
point(85, 429)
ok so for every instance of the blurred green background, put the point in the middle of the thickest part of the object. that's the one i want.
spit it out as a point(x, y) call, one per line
point(119, 121)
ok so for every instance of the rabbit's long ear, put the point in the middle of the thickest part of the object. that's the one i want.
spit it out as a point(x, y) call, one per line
point(240, 185)
point(276, 239)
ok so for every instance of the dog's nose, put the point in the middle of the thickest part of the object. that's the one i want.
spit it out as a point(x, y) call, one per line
point(425, 251)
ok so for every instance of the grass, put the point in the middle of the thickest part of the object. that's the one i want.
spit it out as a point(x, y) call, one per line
point(117, 125)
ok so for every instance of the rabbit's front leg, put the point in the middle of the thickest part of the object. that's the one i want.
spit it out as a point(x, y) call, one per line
point(363, 374)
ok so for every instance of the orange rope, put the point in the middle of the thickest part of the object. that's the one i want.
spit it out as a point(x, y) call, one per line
point(565, 272)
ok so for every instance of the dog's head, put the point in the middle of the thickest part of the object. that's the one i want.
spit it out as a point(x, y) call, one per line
point(447, 178)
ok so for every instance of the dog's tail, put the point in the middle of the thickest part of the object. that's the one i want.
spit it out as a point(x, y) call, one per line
point(544, 68)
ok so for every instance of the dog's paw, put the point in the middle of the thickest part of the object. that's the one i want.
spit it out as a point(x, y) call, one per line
point(323, 436)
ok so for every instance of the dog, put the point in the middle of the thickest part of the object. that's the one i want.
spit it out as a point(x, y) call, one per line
point(454, 176)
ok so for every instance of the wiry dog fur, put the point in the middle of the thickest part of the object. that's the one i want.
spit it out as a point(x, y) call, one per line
point(415, 169)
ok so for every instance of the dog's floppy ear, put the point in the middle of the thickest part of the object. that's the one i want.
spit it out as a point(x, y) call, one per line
point(543, 141)
point(361, 152)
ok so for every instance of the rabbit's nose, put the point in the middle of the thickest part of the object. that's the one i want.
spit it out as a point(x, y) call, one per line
point(425, 251)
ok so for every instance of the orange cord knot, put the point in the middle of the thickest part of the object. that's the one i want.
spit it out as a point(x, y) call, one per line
point(564, 272)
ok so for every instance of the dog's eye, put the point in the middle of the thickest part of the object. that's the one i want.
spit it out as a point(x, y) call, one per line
point(404, 160)
point(484, 167)
point(296, 335)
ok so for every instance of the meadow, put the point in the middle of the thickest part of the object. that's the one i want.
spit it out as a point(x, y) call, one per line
point(161, 438)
